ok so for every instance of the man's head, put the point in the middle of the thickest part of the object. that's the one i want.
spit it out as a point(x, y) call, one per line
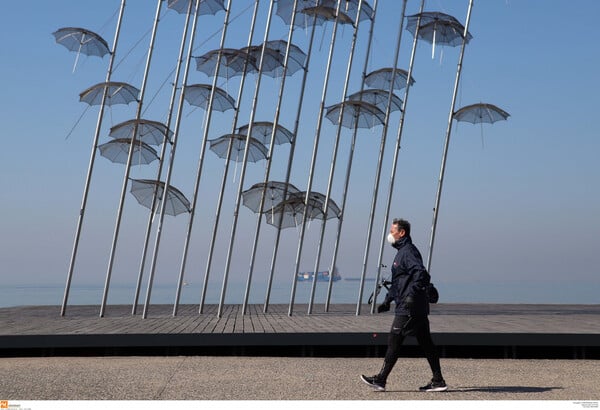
point(400, 228)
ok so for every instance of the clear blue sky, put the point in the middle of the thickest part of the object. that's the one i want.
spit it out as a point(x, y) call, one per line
point(519, 214)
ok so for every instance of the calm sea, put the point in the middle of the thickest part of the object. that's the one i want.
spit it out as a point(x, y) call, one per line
point(343, 291)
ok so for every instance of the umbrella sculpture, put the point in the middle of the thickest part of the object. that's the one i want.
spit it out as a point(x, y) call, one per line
point(332, 208)
point(150, 132)
point(272, 63)
point(438, 28)
point(296, 57)
point(285, 11)
point(274, 194)
point(82, 41)
point(262, 131)
point(321, 11)
point(206, 6)
point(117, 93)
point(378, 98)
point(118, 151)
point(232, 62)
point(480, 113)
point(382, 79)
point(256, 151)
point(290, 212)
point(199, 95)
point(143, 191)
point(358, 114)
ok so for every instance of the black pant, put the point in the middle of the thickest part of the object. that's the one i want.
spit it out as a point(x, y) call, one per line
point(407, 326)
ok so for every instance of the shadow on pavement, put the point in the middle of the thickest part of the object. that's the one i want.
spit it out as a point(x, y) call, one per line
point(505, 389)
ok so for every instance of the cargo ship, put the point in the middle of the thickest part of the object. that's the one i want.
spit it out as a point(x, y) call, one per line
point(323, 276)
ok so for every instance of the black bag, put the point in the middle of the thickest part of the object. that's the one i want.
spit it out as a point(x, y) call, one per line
point(432, 293)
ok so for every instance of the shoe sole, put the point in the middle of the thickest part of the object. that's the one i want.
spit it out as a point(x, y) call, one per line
point(434, 389)
point(378, 388)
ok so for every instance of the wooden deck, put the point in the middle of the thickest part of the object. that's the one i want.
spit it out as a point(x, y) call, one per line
point(29, 328)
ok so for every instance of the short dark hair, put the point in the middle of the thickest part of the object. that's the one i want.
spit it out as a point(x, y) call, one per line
point(402, 224)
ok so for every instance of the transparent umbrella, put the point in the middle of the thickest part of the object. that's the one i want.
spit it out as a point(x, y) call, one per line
point(274, 191)
point(291, 211)
point(296, 58)
point(143, 190)
point(199, 95)
point(382, 79)
point(118, 151)
point(206, 6)
point(438, 28)
point(256, 151)
point(81, 41)
point(358, 114)
point(480, 113)
point(378, 98)
point(117, 93)
point(150, 132)
point(262, 130)
point(232, 62)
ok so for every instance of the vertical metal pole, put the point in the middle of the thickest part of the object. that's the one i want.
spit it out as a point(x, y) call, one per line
point(313, 160)
point(224, 179)
point(269, 161)
point(333, 162)
point(380, 160)
point(128, 165)
point(447, 140)
point(244, 162)
point(201, 160)
point(290, 161)
point(351, 157)
point(161, 163)
point(394, 163)
point(91, 163)
point(163, 203)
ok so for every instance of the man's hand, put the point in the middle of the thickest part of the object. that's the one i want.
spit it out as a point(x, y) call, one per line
point(384, 307)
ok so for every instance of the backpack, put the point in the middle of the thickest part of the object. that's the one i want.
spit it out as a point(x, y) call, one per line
point(432, 293)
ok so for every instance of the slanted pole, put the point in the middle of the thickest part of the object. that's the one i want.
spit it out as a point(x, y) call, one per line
point(224, 179)
point(313, 161)
point(394, 165)
point(333, 162)
point(438, 194)
point(244, 163)
point(201, 161)
point(351, 157)
point(163, 203)
point(91, 162)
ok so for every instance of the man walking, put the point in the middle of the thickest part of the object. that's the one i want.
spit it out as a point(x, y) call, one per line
point(408, 291)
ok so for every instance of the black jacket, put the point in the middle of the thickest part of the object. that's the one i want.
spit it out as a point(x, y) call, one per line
point(409, 278)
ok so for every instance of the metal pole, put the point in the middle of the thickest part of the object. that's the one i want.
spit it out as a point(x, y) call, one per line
point(447, 140)
point(91, 163)
point(394, 162)
point(128, 165)
point(290, 161)
point(224, 180)
point(314, 158)
point(269, 161)
point(333, 162)
point(161, 163)
point(350, 159)
point(163, 203)
point(244, 162)
point(201, 160)
point(380, 161)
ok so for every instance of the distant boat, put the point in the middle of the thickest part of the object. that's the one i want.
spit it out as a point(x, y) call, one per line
point(321, 276)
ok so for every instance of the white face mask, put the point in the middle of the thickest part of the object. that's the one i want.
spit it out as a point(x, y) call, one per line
point(391, 239)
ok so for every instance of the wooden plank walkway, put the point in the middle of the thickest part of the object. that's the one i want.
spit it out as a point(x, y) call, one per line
point(452, 325)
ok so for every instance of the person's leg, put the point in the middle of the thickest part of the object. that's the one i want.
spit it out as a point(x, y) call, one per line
point(395, 339)
point(423, 335)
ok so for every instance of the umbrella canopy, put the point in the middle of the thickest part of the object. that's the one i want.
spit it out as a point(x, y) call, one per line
point(480, 113)
point(117, 93)
point(149, 132)
point(273, 191)
point(358, 114)
point(81, 40)
point(296, 58)
point(262, 130)
point(232, 62)
point(118, 151)
point(290, 212)
point(206, 6)
point(427, 17)
point(273, 60)
point(143, 190)
point(199, 94)
point(256, 151)
point(332, 209)
point(378, 98)
point(285, 10)
point(382, 79)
